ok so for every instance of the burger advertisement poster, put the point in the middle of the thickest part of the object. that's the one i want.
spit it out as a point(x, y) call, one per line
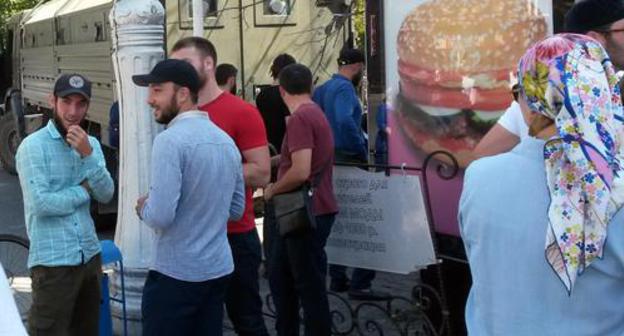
point(450, 65)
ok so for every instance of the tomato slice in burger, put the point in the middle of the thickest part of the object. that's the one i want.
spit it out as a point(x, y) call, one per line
point(470, 98)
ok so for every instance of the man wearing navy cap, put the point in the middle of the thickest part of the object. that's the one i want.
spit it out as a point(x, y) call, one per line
point(61, 169)
point(196, 187)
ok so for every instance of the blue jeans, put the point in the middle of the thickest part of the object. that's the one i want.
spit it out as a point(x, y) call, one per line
point(297, 277)
point(175, 307)
point(242, 300)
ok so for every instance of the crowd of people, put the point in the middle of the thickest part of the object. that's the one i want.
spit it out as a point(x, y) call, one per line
point(206, 164)
point(535, 212)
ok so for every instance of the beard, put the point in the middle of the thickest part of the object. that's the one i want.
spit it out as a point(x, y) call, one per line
point(59, 125)
point(357, 79)
point(169, 112)
point(201, 73)
point(233, 90)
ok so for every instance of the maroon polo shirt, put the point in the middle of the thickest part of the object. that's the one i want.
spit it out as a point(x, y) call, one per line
point(307, 128)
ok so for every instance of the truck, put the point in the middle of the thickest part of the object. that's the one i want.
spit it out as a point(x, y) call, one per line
point(59, 36)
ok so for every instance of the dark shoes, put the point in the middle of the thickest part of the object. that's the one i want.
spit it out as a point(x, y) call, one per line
point(339, 286)
point(368, 295)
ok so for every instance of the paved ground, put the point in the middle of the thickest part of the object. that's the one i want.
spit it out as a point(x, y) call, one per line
point(347, 314)
point(11, 209)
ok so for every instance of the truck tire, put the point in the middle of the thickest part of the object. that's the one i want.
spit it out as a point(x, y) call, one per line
point(9, 140)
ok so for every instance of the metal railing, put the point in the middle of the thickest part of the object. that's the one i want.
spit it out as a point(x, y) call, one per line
point(406, 316)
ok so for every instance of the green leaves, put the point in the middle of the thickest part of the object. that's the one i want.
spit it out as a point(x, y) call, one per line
point(7, 9)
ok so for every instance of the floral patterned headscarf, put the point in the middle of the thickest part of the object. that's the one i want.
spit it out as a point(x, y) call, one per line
point(570, 79)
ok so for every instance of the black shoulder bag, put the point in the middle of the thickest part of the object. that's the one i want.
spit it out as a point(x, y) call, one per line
point(293, 210)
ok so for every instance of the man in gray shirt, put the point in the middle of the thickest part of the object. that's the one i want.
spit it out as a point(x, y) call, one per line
point(196, 187)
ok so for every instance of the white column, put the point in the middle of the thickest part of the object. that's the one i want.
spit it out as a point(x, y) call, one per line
point(198, 18)
point(138, 44)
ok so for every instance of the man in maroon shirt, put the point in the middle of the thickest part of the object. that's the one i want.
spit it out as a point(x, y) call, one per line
point(243, 123)
point(298, 265)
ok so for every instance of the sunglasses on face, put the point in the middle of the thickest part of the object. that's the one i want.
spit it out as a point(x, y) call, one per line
point(611, 31)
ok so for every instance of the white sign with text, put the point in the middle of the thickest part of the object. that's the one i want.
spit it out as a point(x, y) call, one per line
point(382, 223)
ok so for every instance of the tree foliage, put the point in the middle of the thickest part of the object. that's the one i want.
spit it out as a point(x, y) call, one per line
point(359, 23)
point(7, 9)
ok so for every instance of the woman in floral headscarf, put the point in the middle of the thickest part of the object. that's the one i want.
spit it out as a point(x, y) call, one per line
point(535, 221)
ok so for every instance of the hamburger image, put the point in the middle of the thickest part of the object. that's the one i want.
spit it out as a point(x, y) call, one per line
point(456, 60)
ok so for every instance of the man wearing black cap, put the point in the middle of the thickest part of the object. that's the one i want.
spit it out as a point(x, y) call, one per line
point(61, 169)
point(339, 101)
point(604, 21)
point(196, 187)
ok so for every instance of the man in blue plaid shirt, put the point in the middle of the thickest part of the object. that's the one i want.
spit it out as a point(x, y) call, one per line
point(61, 169)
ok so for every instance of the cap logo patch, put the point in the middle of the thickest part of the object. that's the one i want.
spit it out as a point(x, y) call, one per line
point(76, 82)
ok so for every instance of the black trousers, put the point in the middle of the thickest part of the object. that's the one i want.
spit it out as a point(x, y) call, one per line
point(297, 279)
point(242, 300)
point(175, 307)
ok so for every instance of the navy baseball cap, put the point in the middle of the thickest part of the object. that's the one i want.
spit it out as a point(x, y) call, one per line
point(171, 70)
point(67, 84)
point(588, 15)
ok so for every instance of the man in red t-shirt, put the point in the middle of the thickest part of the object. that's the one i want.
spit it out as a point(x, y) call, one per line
point(298, 265)
point(243, 123)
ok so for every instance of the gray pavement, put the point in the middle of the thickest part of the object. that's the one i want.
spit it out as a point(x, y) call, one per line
point(348, 315)
point(11, 208)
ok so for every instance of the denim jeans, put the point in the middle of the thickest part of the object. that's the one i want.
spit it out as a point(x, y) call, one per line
point(175, 307)
point(242, 300)
point(297, 278)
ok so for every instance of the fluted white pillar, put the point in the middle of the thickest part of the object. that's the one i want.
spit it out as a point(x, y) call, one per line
point(198, 18)
point(138, 44)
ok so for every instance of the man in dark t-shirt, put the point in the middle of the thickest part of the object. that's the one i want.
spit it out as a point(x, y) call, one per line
point(274, 112)
point(297, 265)
point(271, 105)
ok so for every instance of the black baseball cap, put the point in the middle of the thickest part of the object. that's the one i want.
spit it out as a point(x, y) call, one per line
point(74, 83)
point(588, 15)
point(350, 56)
point(171, 70)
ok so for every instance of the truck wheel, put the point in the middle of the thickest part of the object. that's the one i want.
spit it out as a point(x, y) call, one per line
point(9, 140)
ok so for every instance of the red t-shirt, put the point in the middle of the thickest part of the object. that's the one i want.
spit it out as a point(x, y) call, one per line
point(243, 123)
point(308, 128)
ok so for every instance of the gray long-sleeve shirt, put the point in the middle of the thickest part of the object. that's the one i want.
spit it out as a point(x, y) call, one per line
point(196, 186)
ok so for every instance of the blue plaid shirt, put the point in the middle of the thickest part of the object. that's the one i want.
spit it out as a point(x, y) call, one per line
point(56, 207)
